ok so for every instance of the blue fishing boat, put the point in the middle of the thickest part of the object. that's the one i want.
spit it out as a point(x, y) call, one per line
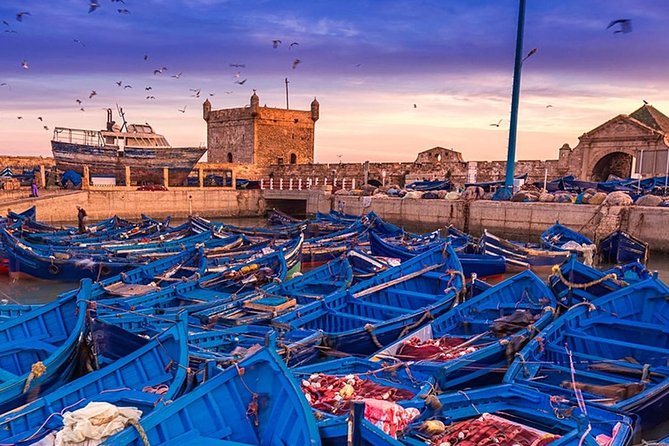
point(573, 282)
point(377, 311)
point(520, 256)
point(480, 264)
point(621, 247)
point(472, 344)
point(275, 300)
point(430, 185)
point(151, 376)
point(560, 238)
point(255, 402)
point(40, 347)
point(612, 352)
point(509, 415)
point(366, 266)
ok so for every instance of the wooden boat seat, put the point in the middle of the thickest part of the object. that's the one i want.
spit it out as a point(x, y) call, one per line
point(425, 297)
point(388, 308)
point(599, 339)
point(645, 326)
point(130, 290)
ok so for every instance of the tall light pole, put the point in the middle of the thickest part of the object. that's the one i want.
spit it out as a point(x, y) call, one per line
point(515, 97)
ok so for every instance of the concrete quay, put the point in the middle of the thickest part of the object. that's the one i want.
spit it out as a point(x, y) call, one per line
point(520, 221)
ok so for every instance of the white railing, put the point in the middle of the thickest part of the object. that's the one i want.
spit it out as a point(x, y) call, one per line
point(308, 183)
point(78, 136)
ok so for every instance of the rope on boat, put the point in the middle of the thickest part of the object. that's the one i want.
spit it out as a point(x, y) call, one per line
point(140, 431)
point(369, 328)
point(557, 272)
point(426, 316)
point(36, 370)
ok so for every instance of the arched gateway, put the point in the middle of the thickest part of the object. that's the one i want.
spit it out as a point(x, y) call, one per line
point(618, 164)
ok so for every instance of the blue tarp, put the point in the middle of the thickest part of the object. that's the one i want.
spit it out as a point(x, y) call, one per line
point(70, 176)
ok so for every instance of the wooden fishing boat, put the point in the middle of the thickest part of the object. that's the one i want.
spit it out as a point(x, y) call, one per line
point(574, 282)
point(149, 377)
point(336, 432)
point(613, 351)
point(509, 415)
point(520, 256)
point(560, 238)
point(621, 247)
point(275, 300)
point(472, 344)
point(480, 264)
point(366, 266)
point(255, 402)
point(114, 149)
point(40, 347)
point(377, 311)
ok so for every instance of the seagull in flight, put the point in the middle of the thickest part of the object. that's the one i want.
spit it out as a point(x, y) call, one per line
point(276, 43)
point(127, 86)
point(20, 15)
point(40, 118)
point(79, 42)
point(625, 26)
point(229, 92)
point(238, 65)
point(93, 5)
point(157, 72)
point(150, 97)
point(549, 106)
point(178, 75)
point(123, 11)
point(119, 83)
point(5, 22)
point(241, 82)
point(78, 101)
point(296, 62)
point(19, 117)
point(82, 109)
point(532, 52)
point(182, 110)
point(148, 88)
point(196, 91)
point(146, 57)
point(24, 65)
point(415, 106)
point(498, 123)
point(290, 47)
point(46, 128)
point(93, 93)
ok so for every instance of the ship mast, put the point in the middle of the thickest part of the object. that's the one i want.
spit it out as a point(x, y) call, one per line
point(124, 126)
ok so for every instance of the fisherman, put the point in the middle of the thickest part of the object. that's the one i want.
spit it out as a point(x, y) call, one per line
point(34, 192)
point(82, 217)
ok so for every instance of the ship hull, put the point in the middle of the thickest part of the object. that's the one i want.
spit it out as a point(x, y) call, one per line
point(146, 163)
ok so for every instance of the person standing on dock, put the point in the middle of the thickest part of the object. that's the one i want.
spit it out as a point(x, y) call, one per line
point(34, 191)
point(82, 217)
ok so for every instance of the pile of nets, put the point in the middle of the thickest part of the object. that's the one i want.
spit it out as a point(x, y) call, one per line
point(438, 350)
point(333, 394)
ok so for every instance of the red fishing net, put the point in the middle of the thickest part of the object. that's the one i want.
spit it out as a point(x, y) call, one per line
point(441, 349)
point(333, 394)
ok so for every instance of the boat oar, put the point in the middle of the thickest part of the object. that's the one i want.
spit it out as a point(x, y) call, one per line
point(390, 283)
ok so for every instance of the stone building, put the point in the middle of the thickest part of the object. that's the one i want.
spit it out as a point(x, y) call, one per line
point(262, 136)
point(626, 144)
point(439, 155)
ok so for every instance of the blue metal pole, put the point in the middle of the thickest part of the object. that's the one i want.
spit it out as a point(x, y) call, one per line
point(515, 97)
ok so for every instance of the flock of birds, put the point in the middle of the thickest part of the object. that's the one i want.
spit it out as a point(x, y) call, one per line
point(622, 26)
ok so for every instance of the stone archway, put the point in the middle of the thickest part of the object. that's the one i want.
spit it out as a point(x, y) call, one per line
point(618, 164)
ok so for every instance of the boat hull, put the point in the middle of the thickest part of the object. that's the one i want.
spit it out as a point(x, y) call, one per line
point(146, 164)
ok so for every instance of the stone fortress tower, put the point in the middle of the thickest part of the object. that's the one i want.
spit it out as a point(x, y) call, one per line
point(262, 136)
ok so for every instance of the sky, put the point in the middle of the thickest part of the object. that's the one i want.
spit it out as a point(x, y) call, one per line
point(393, 77)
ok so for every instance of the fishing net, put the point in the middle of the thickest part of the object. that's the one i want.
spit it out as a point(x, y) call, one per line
point(440, 350)
point(333, 394)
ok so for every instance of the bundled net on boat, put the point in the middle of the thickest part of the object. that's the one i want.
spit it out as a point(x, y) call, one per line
point(333, 394)
point(448, 348)
point(488, 429)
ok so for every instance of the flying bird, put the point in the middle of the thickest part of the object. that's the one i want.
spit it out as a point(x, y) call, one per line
point(5, 22)
point(276, 43)
point(93, 93)
point(78, 101)
point(182, 110)
point(150, 97)
point(20, 15)
point(157, 72)
point(415, 106)
point(498, 123)
point(625, 26)
point(357, 65)
point(79, 42)
point(296, 62)
point(10, 31)
point(40, 118)
point(119, 83)
point(178, 75)
point(148, 88)
point(146, 57)
point(241, 82)
point(46, 127)
point(532, 52)
point(92, 6)
point(196, 91)
point(127, 86)
point(212, 94)
point(19, 117)
point(229, 92)
point(290, 47)
point(549, 106)
point(24, 65)
point(123, 11)
point(82, 109)
point(238, 65)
